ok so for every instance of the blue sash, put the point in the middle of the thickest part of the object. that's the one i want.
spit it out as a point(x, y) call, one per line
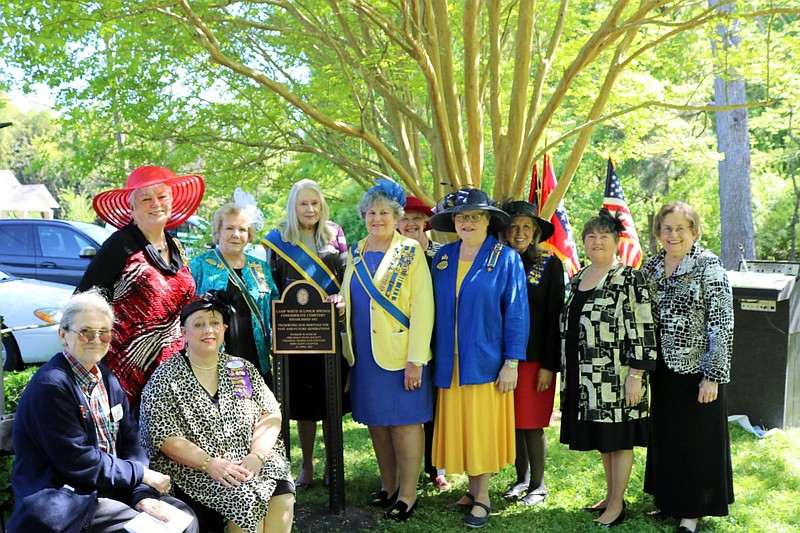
point(308, 264)
point(248, 298)
point(367, 282)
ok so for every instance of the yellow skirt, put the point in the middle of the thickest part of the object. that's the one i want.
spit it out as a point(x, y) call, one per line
point(473, 429)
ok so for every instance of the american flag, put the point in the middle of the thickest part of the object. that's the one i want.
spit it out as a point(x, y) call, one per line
point(629, 249)
point(562, 244)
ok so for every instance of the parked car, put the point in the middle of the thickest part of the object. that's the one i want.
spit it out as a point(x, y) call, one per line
point(31, 311)
point(49, 250)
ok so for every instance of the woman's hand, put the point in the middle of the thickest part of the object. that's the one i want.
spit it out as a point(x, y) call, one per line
point(152, 507)
point(506, 379)
point(229, 474)
point(544, 379)
point(633, 390)
point(413, 376)
point(337, 300)
point(252, 463)
point(156, 480)
point(708, 391)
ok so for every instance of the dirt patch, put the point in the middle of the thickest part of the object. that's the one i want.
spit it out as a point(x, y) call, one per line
point(315, 518)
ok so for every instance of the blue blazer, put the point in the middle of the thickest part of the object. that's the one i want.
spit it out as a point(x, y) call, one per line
point(55, 442)
point(493, 314)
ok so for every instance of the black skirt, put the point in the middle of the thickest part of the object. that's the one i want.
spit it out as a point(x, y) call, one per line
point(688, 469)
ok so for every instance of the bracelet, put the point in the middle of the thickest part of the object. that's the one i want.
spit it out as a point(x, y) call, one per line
point(205, 464)
point(634, 376)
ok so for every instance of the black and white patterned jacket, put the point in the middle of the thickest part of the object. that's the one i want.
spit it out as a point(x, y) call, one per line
point(616, 332)
point(694, 310)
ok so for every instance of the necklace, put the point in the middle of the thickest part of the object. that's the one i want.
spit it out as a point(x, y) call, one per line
point(371, 259)
point(212, 367)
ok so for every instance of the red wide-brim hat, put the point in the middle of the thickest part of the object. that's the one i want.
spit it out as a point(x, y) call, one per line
point(187, 193)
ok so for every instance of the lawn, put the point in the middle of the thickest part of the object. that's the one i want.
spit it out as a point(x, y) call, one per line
point(766, 482)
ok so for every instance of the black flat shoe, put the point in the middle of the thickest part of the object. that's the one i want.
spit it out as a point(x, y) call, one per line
point(515, 491)
point(476, 522)
point(617, 521)
point(383, 500)
point(457, 507)
point(532, 498)
point(591, 509)
point(684, 529)
point(400, 511)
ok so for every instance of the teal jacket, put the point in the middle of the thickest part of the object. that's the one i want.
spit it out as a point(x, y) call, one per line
point(209, 273)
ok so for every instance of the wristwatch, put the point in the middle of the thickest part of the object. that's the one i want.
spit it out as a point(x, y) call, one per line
point(512, 363)
point(261, 457)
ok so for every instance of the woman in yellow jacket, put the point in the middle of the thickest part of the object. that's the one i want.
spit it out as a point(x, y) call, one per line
point(388, 298)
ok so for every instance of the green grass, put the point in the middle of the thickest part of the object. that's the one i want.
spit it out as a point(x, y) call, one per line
point(766, 484)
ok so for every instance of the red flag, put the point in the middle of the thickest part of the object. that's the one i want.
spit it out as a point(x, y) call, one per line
point(561, 243)
point(629, 249)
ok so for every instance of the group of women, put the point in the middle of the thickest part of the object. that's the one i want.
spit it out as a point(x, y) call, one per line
point(464, 338)
point(502, 324)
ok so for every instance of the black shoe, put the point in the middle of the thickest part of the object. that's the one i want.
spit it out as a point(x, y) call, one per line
point(684, 529)
point(591, 509)
point(400, 511)
point(515, 491)
point(462, 506)
point(532, 498)
point(476, 522)
point(617, 521)
point(383, 500)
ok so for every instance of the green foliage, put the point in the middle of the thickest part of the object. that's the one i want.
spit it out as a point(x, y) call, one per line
point(13, 383)
point(75, 206)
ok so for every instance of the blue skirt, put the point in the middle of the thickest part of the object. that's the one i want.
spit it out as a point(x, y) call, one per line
point(378, 396)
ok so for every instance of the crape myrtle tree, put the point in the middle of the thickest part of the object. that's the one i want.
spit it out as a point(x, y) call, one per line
point(435, 94)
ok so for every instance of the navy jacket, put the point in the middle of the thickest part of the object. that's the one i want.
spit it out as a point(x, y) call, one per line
point(493, 314)
point(55, 442)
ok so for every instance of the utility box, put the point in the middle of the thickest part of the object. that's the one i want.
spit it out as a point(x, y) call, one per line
point(765, 366)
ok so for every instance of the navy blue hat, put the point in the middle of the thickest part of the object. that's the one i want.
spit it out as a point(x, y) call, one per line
point(527, 209)
point(467, 199)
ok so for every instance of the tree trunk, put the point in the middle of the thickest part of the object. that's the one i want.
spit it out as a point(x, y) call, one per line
point(733, 140)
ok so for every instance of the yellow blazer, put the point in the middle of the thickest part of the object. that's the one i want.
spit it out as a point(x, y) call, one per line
point(392, 344)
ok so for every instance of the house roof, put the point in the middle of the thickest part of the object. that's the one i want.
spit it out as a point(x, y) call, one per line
point(24, 198)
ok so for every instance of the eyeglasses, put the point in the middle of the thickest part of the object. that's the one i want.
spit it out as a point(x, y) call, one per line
point(475, 217)
point(680, 230)
point(89, 334)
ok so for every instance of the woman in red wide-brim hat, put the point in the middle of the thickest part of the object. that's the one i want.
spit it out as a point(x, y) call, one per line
point(143, 271)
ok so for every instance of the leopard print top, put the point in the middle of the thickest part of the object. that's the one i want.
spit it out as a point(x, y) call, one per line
point(175, 404)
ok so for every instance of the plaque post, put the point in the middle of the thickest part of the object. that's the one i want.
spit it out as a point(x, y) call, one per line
point(303, 323)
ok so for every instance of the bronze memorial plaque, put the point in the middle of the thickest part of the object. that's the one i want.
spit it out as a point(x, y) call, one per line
point(302, 322)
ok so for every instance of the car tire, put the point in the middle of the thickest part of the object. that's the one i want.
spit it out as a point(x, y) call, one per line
point(13, 359)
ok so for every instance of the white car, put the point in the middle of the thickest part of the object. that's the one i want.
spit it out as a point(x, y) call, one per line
point(31, 311)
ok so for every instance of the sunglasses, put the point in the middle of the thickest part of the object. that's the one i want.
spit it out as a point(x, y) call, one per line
point(89, 334)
